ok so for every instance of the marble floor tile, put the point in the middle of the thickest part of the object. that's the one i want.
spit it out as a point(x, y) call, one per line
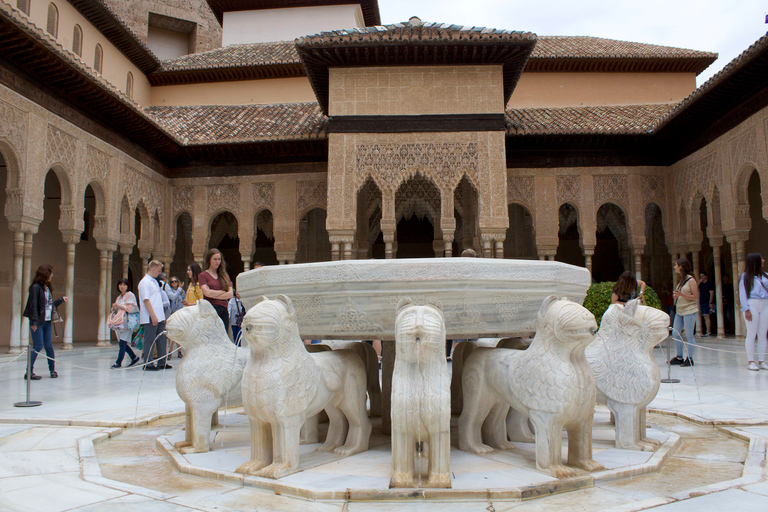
point(38, 462)
point(732, 499)
point(63, 491)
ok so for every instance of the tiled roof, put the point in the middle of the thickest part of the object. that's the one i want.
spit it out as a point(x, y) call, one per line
point(620, 120)
point(573, 47)
point(732, 68)
point(241, 123)
point(236, 55)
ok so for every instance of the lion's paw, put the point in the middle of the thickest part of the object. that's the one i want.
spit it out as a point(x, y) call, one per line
point(560, 471)
point(505, 445)
point(649, 445)
point(275, 470)
point(190, 448)
point(181, 444)
point(249, 468)
point(327, 447)
point(439, 480)
point(402, 480)
point(478, 448)
point(590, 465)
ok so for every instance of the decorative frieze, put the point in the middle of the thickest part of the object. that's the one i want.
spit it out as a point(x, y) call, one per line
point(223, 197)
point(568, 189)
point(183, 200)
point(311, 193)
point(264, 196)
point(521, 189)
point(653, 189)
point(611, 188)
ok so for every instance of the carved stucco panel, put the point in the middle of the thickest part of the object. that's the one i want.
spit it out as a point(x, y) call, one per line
point(521, 189)
point(223, 197)
point(183, 200)
point(702, 171)
point(14, 129)
point(97, 166)
point(139, 187)
point(264, 196)
point(568, 189)
point(744, 150)
point(311, 193)
point(654, 189)
point(62, 148)
point(391, 163)
point(611, 187)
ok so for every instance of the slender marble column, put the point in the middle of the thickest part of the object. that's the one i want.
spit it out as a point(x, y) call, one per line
point(26, 280)
point(18, 267)
point(695, 263)
point(246, 265)
point(108, 294)
point(638, 263)
point(718, 291)
point(103, 341)
point(69, 317)
point(588, 253)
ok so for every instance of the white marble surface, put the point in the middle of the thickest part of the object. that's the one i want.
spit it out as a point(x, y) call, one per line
point(719, 382)
point(356, 299)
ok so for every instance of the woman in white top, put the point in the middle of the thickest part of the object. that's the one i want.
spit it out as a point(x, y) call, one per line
point(686, 296)
point(753, 292)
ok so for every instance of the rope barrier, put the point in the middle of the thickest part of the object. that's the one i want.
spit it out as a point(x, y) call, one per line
point(23, 353)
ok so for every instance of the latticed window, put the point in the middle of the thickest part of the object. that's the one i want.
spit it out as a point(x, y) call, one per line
point(53, 20)
point(77, 41)
point(23, 6)
point(98, 58)
point(129, 85)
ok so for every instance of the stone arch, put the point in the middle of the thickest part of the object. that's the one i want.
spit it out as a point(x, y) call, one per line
point(520, 241)
point(98, 191)
point(612, 255)
point(682, 219)
point(743, 176)
point(369, 202)
point(181, 245)
point(126, 224)
point(417, 212)
point(12, 164)
point(656, 269)
point(313, 241)
point(758, 227)
point(570, 239)
point(466, 212)
point(264, 237)
point(224, 235)
point(63, 175)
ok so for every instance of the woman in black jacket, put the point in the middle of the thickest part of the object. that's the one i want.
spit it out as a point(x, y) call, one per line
point(40, 305)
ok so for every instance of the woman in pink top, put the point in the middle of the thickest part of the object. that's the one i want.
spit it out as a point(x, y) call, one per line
point(215, 283)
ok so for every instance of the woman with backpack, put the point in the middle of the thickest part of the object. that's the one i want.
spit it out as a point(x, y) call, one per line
point(753, 292)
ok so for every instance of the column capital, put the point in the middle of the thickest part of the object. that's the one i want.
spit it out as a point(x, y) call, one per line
point(716, 241)
point(105, 244)
point(23, 224)
point(71, 236)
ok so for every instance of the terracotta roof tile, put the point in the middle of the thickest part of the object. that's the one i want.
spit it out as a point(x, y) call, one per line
point(241, 123)
point(620, 120)
point(570, 47)
point(236, 55)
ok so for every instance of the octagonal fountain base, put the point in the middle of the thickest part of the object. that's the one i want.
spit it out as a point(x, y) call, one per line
point(365, 476)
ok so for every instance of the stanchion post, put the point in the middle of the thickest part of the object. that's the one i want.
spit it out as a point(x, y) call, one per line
point(669, 379)
point(28, 403)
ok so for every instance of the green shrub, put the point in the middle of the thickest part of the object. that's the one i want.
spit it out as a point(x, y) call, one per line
point(599, 298)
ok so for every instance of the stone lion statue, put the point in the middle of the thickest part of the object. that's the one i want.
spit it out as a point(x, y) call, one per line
point(283, 385)
point(368, 355)
point(626, 374)
point(421, 400)
point(550, 382)
point(208, 375)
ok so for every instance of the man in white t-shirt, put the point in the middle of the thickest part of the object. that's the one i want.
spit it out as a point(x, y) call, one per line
point(152, 317)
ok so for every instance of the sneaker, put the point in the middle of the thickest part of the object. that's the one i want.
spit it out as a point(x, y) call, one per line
point(751, 366)
point(764, 366)
point(114, 366)
point(676, 360)
point(34, 377)
point(54, 375)
point(134, 361)
point(165, 367)
point(705, 335)
point(688, 362)
point(151, 368)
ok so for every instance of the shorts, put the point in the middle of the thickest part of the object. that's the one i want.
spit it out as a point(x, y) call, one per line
point(704, 308)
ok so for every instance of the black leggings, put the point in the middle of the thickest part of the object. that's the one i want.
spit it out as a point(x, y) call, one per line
point(223, 313)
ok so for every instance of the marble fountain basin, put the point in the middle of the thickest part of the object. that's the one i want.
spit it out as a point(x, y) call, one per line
point(356, 299)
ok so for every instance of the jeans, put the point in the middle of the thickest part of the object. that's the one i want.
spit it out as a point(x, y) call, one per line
point(42, 337)
point(236, 335)
point(687, 323)
point(757, 329)
point(150, 333)
point(223, 313)
point(124, 347)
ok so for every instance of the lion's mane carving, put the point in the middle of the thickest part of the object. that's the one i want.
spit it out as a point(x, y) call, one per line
point(208, 375)
point(550, 382)
point(283, 385)
point(626, 374)
point(421, 401)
